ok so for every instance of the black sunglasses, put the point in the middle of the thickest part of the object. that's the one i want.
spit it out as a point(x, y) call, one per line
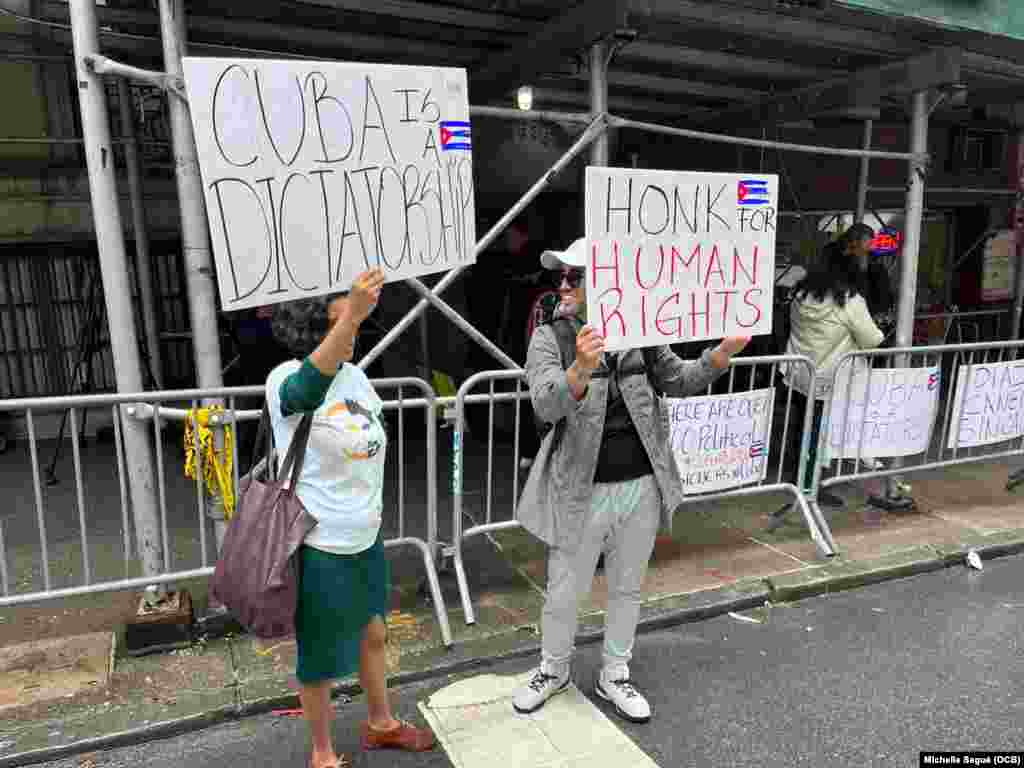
point(572, 276)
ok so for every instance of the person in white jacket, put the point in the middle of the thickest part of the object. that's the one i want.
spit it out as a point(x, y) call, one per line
point(828, 318)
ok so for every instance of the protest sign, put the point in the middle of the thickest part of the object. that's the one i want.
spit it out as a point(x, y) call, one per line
point(721, 441)
point(677, 256)
point(316, 171)
point(989, 404)
point(881, 413)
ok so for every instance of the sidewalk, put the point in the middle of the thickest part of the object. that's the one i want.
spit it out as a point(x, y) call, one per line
point(57, 698)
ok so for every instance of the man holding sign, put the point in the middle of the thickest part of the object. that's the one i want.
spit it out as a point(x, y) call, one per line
point(604, 478)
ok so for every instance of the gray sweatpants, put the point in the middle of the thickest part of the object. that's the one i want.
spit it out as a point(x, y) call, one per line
point(623, 523)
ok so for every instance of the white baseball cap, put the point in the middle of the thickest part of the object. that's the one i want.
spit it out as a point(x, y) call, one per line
point(573, 256)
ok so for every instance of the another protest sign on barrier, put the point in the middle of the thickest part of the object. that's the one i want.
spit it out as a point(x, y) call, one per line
point(721, 441)
point(678, 256)
point(317, 171)
point(988, 406)
point(882, 413)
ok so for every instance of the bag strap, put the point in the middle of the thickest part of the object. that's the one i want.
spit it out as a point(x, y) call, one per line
point(296, 455)
point(263, 430)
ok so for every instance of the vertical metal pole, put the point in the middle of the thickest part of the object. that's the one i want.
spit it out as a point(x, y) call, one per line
point(124, 345)
point(1018, 228)
point(143, 267)
point(865, 168)
point(909, 258)
point(913, 218)
point(599, 150)
point(202, 299)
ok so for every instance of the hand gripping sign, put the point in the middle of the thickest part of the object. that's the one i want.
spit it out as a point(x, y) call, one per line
point(316, 171)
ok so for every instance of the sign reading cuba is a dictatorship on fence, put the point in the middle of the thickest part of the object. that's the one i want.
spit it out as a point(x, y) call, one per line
point(721, 441)
point(316, 171)
point(882, 413)
point(677, 256)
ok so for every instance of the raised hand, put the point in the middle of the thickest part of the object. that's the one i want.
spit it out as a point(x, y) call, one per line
point(589, 347)
point(364, 294)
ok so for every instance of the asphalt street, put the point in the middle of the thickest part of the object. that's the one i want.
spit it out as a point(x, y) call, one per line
point(862, 678)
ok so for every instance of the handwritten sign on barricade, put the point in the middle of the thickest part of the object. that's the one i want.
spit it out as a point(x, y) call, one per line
point(678, 256)
point(883, 413)
point(721, 441)
point(989, 404)
point(317, 171)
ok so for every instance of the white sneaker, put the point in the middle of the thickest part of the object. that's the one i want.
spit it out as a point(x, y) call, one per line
point(535, 693)
point(629, 703)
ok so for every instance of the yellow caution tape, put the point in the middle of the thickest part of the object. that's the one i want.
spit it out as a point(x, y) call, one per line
point(217, 467)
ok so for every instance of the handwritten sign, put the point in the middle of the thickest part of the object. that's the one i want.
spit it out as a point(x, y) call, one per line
point(679, 256)
point(721, 441)
point(989, 404)
point(317, 171)
point(883, 413)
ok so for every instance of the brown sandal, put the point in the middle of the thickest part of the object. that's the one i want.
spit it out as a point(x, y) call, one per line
point(403, 736)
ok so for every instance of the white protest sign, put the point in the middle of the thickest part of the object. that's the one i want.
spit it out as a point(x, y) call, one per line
point(316, 171)
point(989, 404)
point(883, 413)
point(721, 441)
point(677, 256)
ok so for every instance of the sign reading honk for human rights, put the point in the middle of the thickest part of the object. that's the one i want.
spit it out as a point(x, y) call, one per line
point(677, 256)
point(317, 171)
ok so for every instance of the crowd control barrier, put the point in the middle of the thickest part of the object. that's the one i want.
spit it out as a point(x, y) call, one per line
point(898, 411)
point(700, 425)
point(74, 544)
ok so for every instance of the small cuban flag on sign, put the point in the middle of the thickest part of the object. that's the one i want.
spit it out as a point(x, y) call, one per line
point(455, 135)
point(757, 449)
point(752, 192)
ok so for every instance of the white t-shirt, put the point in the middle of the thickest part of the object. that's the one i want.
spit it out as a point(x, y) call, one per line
point(342, 481)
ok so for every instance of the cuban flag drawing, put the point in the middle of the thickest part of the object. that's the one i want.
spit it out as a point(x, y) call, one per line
point(752, 192)
point(757, 449)
point(455, 135)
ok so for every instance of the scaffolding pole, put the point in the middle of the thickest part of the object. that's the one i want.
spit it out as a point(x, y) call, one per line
point(599, 150)
point(143, 266)
point(865, 171)
point(114, 268)
point(895, 497)
point(195, 237)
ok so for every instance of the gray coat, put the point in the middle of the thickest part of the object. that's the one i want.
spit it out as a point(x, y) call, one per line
point(558, 491)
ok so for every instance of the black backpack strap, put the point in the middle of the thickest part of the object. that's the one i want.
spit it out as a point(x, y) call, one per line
point(647, 367)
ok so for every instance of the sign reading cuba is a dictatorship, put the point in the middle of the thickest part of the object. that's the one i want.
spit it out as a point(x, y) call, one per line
point(316, 171)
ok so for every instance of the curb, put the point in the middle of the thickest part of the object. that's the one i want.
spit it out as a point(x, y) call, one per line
point(713, 603)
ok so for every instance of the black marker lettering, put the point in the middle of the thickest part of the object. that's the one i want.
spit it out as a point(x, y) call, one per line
point(266, 124)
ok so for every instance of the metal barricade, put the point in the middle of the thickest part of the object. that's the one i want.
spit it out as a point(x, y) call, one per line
point(974, 327)
point(872, 396)
point(78, 545)
point(745, 374)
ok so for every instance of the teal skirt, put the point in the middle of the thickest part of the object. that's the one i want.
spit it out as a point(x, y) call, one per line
point(338, 596)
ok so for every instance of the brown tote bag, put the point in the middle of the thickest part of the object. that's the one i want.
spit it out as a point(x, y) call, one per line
point(257, 574)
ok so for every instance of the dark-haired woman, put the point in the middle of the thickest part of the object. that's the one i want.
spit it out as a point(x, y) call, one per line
point(829, 318)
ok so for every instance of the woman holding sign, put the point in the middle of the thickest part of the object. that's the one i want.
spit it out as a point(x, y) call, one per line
point(603, 481)
point(343, 594)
